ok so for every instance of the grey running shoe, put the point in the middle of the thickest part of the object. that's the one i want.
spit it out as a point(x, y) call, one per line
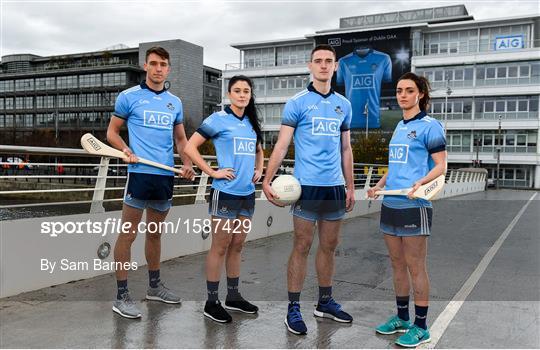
point(126, 307)
point(163, 294)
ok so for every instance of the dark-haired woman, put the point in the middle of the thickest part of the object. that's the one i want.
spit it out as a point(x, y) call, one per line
point(236, 134)
point(417, 155)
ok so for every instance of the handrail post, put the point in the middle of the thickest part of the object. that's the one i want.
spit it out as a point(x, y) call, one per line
point(99, 189)
point(201, 189)
point(368, 178)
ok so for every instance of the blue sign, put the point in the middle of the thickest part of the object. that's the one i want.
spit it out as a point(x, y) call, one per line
point(509, 42)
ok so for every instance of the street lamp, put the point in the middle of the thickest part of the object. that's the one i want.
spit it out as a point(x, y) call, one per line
point(477, 149)
point(448, 93)
point(498, 152)
point(366, 112)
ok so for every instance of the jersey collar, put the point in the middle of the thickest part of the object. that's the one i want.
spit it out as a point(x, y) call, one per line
point(145, 86)
point(363, 51)
point(229, 110)
point(311, 88)
point(419, 116)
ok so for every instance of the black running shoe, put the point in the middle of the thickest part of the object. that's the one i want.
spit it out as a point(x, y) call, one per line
point(241, 305)
point(216, 312)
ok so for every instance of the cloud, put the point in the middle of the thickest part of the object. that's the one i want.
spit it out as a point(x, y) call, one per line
point(62, 27)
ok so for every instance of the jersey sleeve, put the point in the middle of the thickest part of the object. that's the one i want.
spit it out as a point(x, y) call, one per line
point(387, 77)
point(209, 127)
point(346, 124)
point(340, 76)
point(290, 114)
point(435, 139)
point(180, 115)
point(121, 107)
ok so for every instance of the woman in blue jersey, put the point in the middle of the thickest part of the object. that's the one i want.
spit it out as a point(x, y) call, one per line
point(417, 155)
point(236, 134)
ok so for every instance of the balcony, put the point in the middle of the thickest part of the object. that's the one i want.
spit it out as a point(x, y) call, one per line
point(487, 154)
point(73, 67)
point(486, 90)
point(265, 68)
point(470, 54)
point(490, 121)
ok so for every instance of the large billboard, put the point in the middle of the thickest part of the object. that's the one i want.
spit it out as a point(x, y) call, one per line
point(370, 63)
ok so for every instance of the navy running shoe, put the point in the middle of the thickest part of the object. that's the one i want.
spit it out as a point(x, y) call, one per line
point(332, 310)
point(295, 323)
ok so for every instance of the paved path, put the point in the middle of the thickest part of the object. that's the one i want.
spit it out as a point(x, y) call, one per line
point(502, 307)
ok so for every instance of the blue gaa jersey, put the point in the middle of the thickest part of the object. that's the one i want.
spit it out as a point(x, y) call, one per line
point(151, 117)
point(318, 121)
point(409, 160)
point(236, 145)
point(363, 72)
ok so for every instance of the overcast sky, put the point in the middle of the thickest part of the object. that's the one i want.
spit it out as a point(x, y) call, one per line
point(62, 27)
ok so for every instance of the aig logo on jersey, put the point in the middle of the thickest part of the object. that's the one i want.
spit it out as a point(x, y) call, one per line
point(362, 81)
point(398, 153)
point(244, 146)
point(160, 120)
point(325, 126)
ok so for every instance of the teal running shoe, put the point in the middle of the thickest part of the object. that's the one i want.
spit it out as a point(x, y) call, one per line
point(414, 337)
point(393, 325)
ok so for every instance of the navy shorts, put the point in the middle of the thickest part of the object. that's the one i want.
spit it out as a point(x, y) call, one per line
point(149, 191)
point(406, 222)
point(320, 203)
point(230, 206)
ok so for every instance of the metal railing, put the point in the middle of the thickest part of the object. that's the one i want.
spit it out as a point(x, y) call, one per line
point(58, 65)
point(94, 184)
point(300, 61)
point(470, 45)
point(81, 178)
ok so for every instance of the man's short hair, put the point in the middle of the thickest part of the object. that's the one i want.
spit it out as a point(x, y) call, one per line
point(323, 47)
point(158, 50)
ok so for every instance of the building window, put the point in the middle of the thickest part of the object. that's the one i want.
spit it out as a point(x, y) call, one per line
point(271, 113)
point(255, 58)
point(89, 80)
point(6, 85)
point(524, 71)
point(67, 82)
point(9, 121)
point(114, 79)
point(45, 83)
point(293, 55)
point(9, 103)
point(24, 85)
point(488, 36)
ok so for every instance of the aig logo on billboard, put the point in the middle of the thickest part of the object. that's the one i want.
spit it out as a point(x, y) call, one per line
point(325, 126)
point(509, 42)
point(155, 119)
point(398, 153)
point(362, 81)
point(334, 41)
point(244, 146)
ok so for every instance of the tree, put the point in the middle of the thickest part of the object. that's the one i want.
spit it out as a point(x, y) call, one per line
point(372, 149)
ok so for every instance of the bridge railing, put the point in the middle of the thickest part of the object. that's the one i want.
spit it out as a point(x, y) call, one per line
point(81, 178)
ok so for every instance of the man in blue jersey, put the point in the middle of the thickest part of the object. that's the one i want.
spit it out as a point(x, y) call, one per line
point(362, 72)
point(319, 120)
point(155, 123)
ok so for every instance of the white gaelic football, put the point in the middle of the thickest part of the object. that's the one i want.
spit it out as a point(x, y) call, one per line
point(287, 188)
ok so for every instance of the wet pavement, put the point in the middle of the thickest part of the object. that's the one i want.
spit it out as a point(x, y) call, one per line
point(501, 311)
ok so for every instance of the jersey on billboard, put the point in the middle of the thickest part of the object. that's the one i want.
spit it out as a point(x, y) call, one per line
point(370, 64)
point(362, 72)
